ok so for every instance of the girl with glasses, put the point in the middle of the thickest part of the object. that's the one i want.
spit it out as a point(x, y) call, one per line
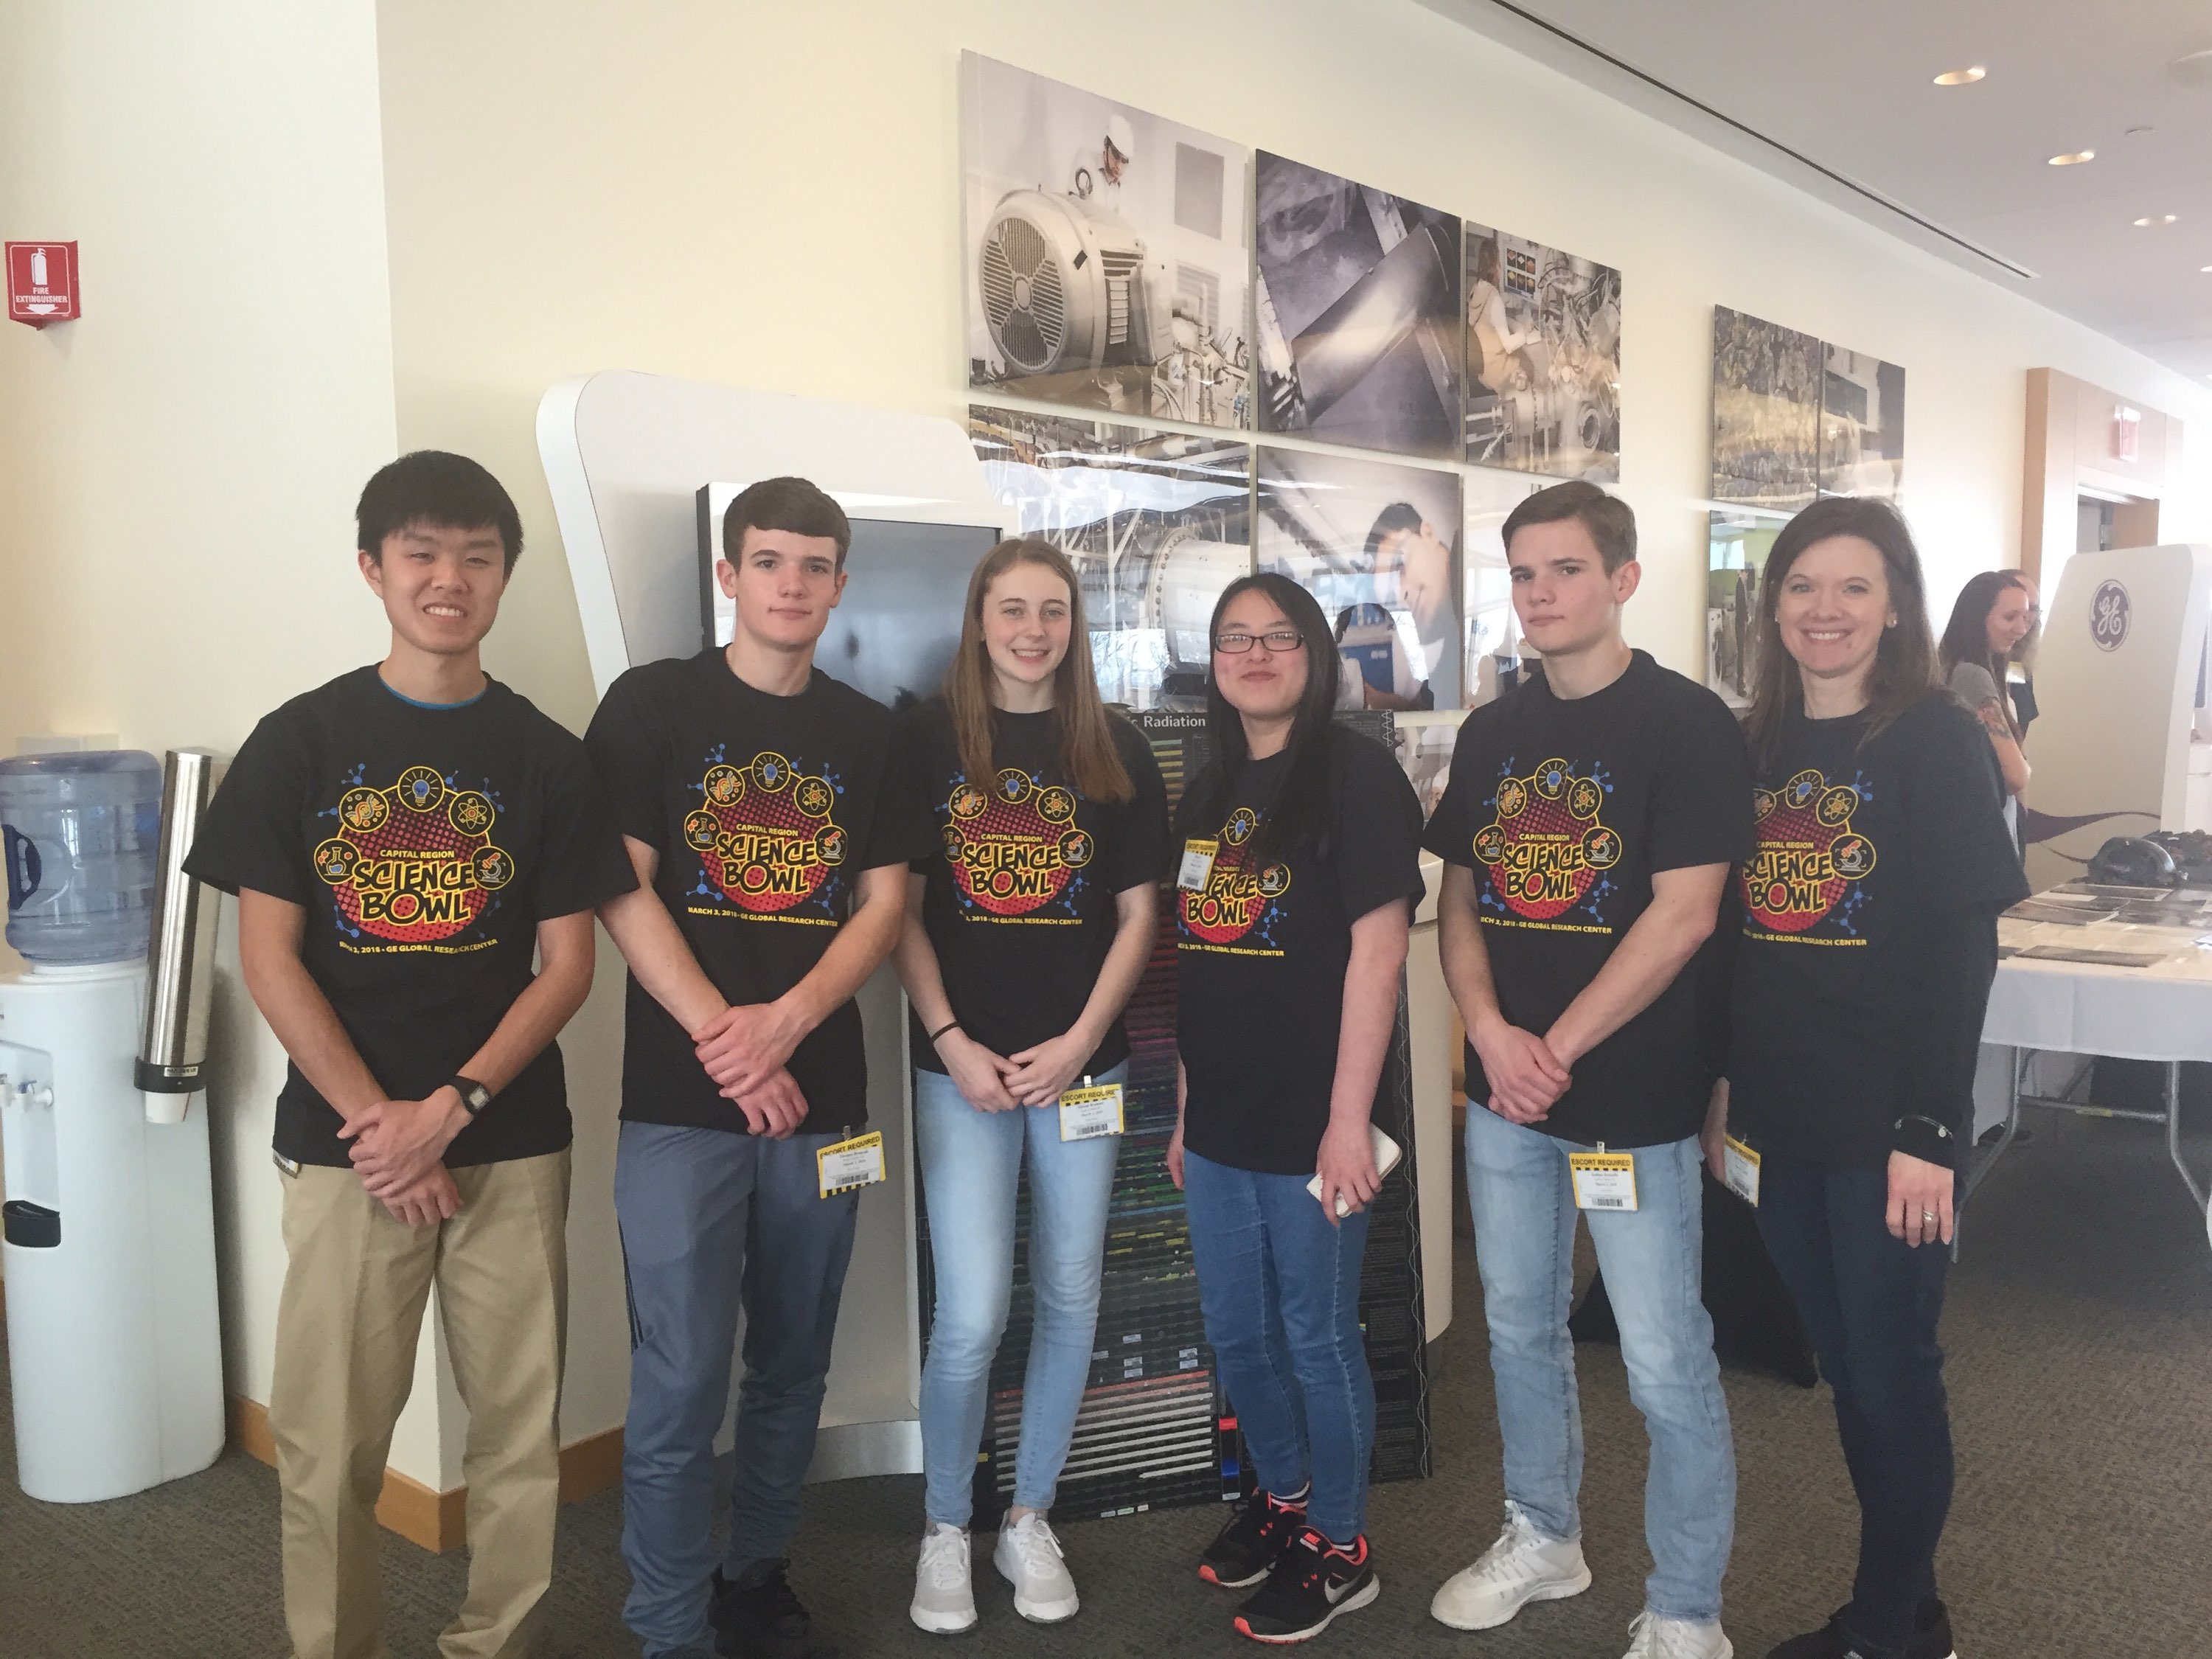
point(1300, 865)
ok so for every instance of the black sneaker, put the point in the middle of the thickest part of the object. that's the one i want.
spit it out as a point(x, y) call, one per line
point(1931, 1635)
point(1833, 1641)
point(757, 1615)
point(1247, 1549)
point(1314, 1581)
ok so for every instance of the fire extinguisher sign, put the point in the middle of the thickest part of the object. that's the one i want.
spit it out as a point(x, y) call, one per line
point(42, 283)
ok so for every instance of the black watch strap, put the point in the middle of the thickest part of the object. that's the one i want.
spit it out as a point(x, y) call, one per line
point(474, 1096)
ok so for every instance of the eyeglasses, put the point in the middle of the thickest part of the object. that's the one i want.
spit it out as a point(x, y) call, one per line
point(1278, 639)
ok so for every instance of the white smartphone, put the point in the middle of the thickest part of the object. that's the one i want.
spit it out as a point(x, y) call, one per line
point(1386, 1154)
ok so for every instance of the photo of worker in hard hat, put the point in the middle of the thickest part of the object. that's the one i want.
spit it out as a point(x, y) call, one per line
point(1378, 546)
point(1543, 359)
point(1357, 312)
point(1108, 259)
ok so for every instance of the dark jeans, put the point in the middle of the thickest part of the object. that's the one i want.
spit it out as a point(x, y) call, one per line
point(714, 1225)
point(1871, 1303)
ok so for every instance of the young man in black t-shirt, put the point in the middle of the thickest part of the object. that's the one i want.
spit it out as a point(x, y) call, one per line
point(1592, 816)
point(401, 841)
point(770, 821)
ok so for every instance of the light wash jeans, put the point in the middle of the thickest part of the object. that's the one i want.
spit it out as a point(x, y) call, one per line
point(971, 1166)
point(1652, 1257)
point(1279, 1288)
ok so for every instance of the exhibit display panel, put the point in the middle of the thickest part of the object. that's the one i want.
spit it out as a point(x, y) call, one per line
point(1543, 359)
point(1107, 260)
point(2116, 678)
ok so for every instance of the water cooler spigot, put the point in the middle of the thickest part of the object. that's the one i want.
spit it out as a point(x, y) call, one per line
point(173, 1052)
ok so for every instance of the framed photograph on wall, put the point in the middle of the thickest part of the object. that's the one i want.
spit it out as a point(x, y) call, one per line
point(1107, 262)
point(1766, 412)
point(1861, 424)
point(1739, 540)
point(1543, 359)
point(1156, 523)
point(1492, 633)
point(1355, 311)
point(1377, 544)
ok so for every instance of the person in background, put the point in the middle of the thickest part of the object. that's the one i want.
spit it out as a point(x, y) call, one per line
point(1587, 830)
point(1023, 940)
point(2021, 682)
point(1300, 868)
point(1990, 616)
point(402, 841)
point(1493, 342)
point(1870, 944)
point(771, 822)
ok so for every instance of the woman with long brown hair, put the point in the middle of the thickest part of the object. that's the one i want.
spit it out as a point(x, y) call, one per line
point(1880, 864)
point(1023, 943)
point(1993, 614)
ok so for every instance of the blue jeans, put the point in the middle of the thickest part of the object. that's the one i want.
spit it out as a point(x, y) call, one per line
point(712, 1223)
point(1652, 1257)
point(1279, 1288)
point(971, 1167)
point(1871, 1303)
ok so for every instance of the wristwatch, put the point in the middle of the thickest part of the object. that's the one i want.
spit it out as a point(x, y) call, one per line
point(474, 1096)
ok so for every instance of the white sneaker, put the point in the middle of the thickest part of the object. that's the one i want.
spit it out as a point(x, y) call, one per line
point(944, 1597)
point(1028, 1557)
point(1521, 1567)
point(1651, 1637)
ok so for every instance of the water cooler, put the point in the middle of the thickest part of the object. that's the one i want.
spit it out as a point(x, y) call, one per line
point(114, 1350)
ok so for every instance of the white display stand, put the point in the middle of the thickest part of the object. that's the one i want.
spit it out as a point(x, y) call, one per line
point(2116, 686)
point(625, 455)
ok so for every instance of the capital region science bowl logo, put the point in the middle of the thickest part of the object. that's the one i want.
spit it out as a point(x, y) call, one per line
point(1548, 846)
point(1014, 847)
point(1236, 898)
point(1808, 856)
point(413, 862)
point(765, 838)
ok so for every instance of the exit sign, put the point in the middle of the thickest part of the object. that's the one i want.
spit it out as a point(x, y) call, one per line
point(42, 283)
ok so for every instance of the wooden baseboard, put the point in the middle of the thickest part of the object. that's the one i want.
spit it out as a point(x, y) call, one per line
point(438, 1521)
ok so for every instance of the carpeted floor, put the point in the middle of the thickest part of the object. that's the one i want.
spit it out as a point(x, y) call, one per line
point(2079, 1335)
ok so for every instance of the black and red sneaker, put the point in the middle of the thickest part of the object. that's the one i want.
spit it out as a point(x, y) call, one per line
point(1247, 1549)
point(1314, 1581)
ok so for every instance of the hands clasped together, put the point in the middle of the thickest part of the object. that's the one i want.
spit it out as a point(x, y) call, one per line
point(397, 1146)
point(1527, 1077)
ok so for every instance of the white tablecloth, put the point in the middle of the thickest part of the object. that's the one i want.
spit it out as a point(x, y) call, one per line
point(2162, 1011)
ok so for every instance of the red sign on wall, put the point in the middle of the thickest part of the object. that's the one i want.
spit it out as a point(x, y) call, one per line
point(42, 283)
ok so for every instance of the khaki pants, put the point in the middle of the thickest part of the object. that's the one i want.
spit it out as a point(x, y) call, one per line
point(346, 1327)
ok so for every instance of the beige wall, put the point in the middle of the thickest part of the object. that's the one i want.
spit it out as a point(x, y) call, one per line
point(766, 196)
point(177, 470)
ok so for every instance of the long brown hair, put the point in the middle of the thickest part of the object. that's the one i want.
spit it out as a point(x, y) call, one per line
point(1088, 758)
point(1966, 636)
point(1905, 663)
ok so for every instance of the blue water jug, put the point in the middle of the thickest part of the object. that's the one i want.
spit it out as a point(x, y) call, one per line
point(82, 835)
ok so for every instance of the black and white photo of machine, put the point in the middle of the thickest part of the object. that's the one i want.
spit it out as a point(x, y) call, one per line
point(1108, 255)
point(1543, 359)
point(1356, 305)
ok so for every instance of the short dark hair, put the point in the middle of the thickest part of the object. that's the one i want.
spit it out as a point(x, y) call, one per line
point(792, 504)
point(1399, 515)
point(1610, 521)
point(433, 487)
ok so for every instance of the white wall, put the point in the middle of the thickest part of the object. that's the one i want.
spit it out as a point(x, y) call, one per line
point(177, 470)
point(766, 196)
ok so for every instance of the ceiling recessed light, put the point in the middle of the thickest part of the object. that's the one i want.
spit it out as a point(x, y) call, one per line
point(1964, 78)
point(2073, 158)
point(2153, 220)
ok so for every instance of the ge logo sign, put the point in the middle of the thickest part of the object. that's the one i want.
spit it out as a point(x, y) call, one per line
point(2108, 616)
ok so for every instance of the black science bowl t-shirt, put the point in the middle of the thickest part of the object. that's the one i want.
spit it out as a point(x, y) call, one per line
point(1565, 808)
point(425, 844)
point(1261, 955)
point(1866, 847)
point(1019, 905)
point(763, 811)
